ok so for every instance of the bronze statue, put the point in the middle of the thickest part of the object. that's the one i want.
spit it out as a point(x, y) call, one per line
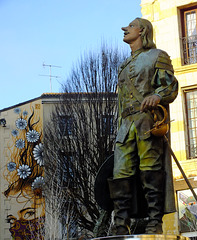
point(146, 79)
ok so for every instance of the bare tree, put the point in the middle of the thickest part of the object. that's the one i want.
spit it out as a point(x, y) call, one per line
point(60, 218)
point(81, 133)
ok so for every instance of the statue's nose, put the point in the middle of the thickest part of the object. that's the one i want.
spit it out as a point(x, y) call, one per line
point(124, 28)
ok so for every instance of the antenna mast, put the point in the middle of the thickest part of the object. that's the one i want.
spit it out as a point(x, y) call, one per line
point(50, 76)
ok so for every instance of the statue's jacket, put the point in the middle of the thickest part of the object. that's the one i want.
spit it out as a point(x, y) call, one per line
point(144, 73)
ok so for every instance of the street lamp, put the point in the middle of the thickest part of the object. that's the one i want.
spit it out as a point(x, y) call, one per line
point(3, 122)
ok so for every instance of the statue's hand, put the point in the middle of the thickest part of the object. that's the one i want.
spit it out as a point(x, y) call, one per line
point(149, 103)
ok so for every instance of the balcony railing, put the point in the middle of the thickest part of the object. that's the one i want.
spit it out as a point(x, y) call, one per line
point(189, 45)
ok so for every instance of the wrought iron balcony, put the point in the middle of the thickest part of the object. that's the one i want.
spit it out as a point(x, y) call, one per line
point(189, 45)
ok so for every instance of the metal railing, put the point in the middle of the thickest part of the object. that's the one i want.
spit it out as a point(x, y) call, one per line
point(189, 45)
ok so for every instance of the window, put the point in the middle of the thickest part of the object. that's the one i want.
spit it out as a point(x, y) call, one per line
point(65, 169)
point(107, 124)
point(66, 125)
point(67, 166)
point(189, 34)
point(191, 117)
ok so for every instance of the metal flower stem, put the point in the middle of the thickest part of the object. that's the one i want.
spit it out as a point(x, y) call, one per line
point(180, 168)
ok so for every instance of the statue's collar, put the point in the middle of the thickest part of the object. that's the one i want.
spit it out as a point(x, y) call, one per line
point(137, 52)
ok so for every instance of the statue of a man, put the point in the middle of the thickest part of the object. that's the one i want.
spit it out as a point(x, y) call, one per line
point(146, 79)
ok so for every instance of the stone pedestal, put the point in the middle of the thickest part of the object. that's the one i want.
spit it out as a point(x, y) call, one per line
point(143, 237)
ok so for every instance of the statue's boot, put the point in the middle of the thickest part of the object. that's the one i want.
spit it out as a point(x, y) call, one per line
point(121, 194)
point(153, 187)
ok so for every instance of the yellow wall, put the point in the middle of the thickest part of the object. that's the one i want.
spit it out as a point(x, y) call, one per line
point(165, 17)
point(12, 205)
point(8, 153)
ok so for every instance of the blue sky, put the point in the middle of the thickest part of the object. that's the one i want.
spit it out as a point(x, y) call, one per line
point(53, 32)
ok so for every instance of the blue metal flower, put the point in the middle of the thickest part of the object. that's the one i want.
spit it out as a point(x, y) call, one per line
point(21, 123)
point(20, 143)
point(25, 113)
point(32, 136)
point(17, 110)
point(15, 133)
point(24, 171)
point(38, 183)
point(11, 166)
point(38, 154)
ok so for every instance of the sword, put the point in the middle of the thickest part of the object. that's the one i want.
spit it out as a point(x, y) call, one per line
point(180, 168)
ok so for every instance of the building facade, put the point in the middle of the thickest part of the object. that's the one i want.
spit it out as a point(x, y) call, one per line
point(22, 168)
point(175, 31)
point(26, 212)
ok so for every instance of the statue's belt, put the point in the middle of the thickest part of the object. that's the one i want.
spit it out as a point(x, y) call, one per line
point(130, 110)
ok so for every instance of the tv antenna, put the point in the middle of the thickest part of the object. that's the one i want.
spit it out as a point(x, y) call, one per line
point(50, 76)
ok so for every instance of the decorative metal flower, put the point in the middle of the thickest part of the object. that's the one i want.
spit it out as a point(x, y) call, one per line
point(17, 110)
point(21, 123)
point(38, 154)
point(20, 143)
point(15, 133)
point(11, 166)
point(24, 171)
point(32, 136)
point(25, 113)
point(38, 183)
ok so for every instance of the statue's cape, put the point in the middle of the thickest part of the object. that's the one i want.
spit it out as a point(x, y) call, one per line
point(102, 195)
point(139, 206)
point(101, 189)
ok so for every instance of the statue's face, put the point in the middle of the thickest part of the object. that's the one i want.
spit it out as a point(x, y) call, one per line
point(132, 32)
